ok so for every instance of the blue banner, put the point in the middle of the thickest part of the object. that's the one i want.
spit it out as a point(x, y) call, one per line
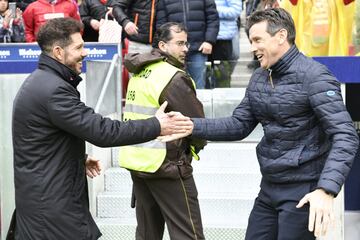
point(23, 57)
point(345, 69)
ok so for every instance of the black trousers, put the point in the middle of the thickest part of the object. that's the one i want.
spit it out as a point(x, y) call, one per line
point(274, 215)
point(173, 201)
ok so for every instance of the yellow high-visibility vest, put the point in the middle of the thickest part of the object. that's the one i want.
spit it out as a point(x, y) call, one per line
point(142, 101)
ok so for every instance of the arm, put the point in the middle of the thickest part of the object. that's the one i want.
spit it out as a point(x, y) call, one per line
point(18, 34)
point(68, 113)
point(327, 104)
point(119, 11)
point(28, 18)
point(5, 27)
point(161, 16)
point(75, 13)
point(180, 86)
point(232, 11)
point(212, 22)
point(238, 126)
point(84, 13)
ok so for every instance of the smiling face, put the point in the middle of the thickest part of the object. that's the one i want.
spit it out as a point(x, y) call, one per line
point(268, 49)
point(74, 53)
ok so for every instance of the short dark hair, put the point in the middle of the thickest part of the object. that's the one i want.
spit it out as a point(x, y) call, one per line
point(163, 33)
point(57, 31)
point(276, 18)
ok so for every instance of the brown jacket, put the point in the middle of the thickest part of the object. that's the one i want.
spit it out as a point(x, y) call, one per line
point(181, 96)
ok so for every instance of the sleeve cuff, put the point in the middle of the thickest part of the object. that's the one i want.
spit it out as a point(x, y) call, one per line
point(157, 128)
point(329, 186)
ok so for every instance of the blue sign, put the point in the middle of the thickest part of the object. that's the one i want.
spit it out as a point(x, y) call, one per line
point(345, 69)
point(23, 57)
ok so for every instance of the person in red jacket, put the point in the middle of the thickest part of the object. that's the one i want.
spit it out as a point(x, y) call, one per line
point(38, 12)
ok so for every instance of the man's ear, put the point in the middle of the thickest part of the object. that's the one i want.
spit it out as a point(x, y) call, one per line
point(58, 53)
point(162, 46)
point(282, 34)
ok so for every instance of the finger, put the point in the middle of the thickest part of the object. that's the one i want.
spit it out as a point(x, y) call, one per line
point(173, 113)
point(318, 221)
point(94, 172)
point(302, 202)
point(98, 166)
point(311, 219)
point(325, 224)
point(88, 173)
point(163, 106)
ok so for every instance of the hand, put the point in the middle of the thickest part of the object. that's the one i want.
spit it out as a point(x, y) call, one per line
point(95, 24)
point(109, 11)
point(7, 16)
point(173, 122)
point(131, 28)
point(18, 15)
point(172, 137)
point(321, 213)
point(205, 48)
point(93, 167)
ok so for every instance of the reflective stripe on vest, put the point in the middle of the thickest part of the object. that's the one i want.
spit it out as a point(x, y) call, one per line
point(142, 101)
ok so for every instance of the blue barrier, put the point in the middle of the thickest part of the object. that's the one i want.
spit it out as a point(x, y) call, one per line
point(23, 57)
point(346, 69)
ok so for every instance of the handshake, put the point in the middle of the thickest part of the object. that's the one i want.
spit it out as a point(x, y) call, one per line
point(174, 125)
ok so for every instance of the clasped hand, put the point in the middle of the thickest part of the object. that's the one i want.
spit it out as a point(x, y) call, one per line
point(174, 125)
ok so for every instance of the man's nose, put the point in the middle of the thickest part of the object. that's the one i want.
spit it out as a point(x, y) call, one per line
point(84, 52)
point(253, 47)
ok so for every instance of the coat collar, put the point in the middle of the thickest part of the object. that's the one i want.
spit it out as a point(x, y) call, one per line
point(284, 63)
point(48, 63)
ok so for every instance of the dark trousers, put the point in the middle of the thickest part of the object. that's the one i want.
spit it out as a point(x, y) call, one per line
point(274, 215)
point(173, 201)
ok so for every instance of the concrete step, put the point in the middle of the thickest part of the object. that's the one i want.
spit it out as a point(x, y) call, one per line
point(228, 180)
point(124, 229)
point(241, 67)
point(245, 53)
point(240, 80)
point(224, 156)
point(221, 209)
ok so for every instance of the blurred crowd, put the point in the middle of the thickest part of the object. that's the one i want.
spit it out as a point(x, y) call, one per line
point(324, 27)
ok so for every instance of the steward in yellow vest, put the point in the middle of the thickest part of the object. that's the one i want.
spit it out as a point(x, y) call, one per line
point(164, 187)
point(156, 78)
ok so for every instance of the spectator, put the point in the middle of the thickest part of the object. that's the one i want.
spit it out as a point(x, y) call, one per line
point(164, 187)
point(11, 29)
point(38, 12)
point(137, 17)
point(202, 21)
point(91, 12)
point(229, 12)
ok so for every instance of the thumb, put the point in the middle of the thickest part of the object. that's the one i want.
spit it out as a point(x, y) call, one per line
point(163, 106)
point(304, 200)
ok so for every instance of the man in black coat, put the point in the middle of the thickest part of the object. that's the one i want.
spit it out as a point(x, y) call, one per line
point(309, 140)
point(50, 127)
